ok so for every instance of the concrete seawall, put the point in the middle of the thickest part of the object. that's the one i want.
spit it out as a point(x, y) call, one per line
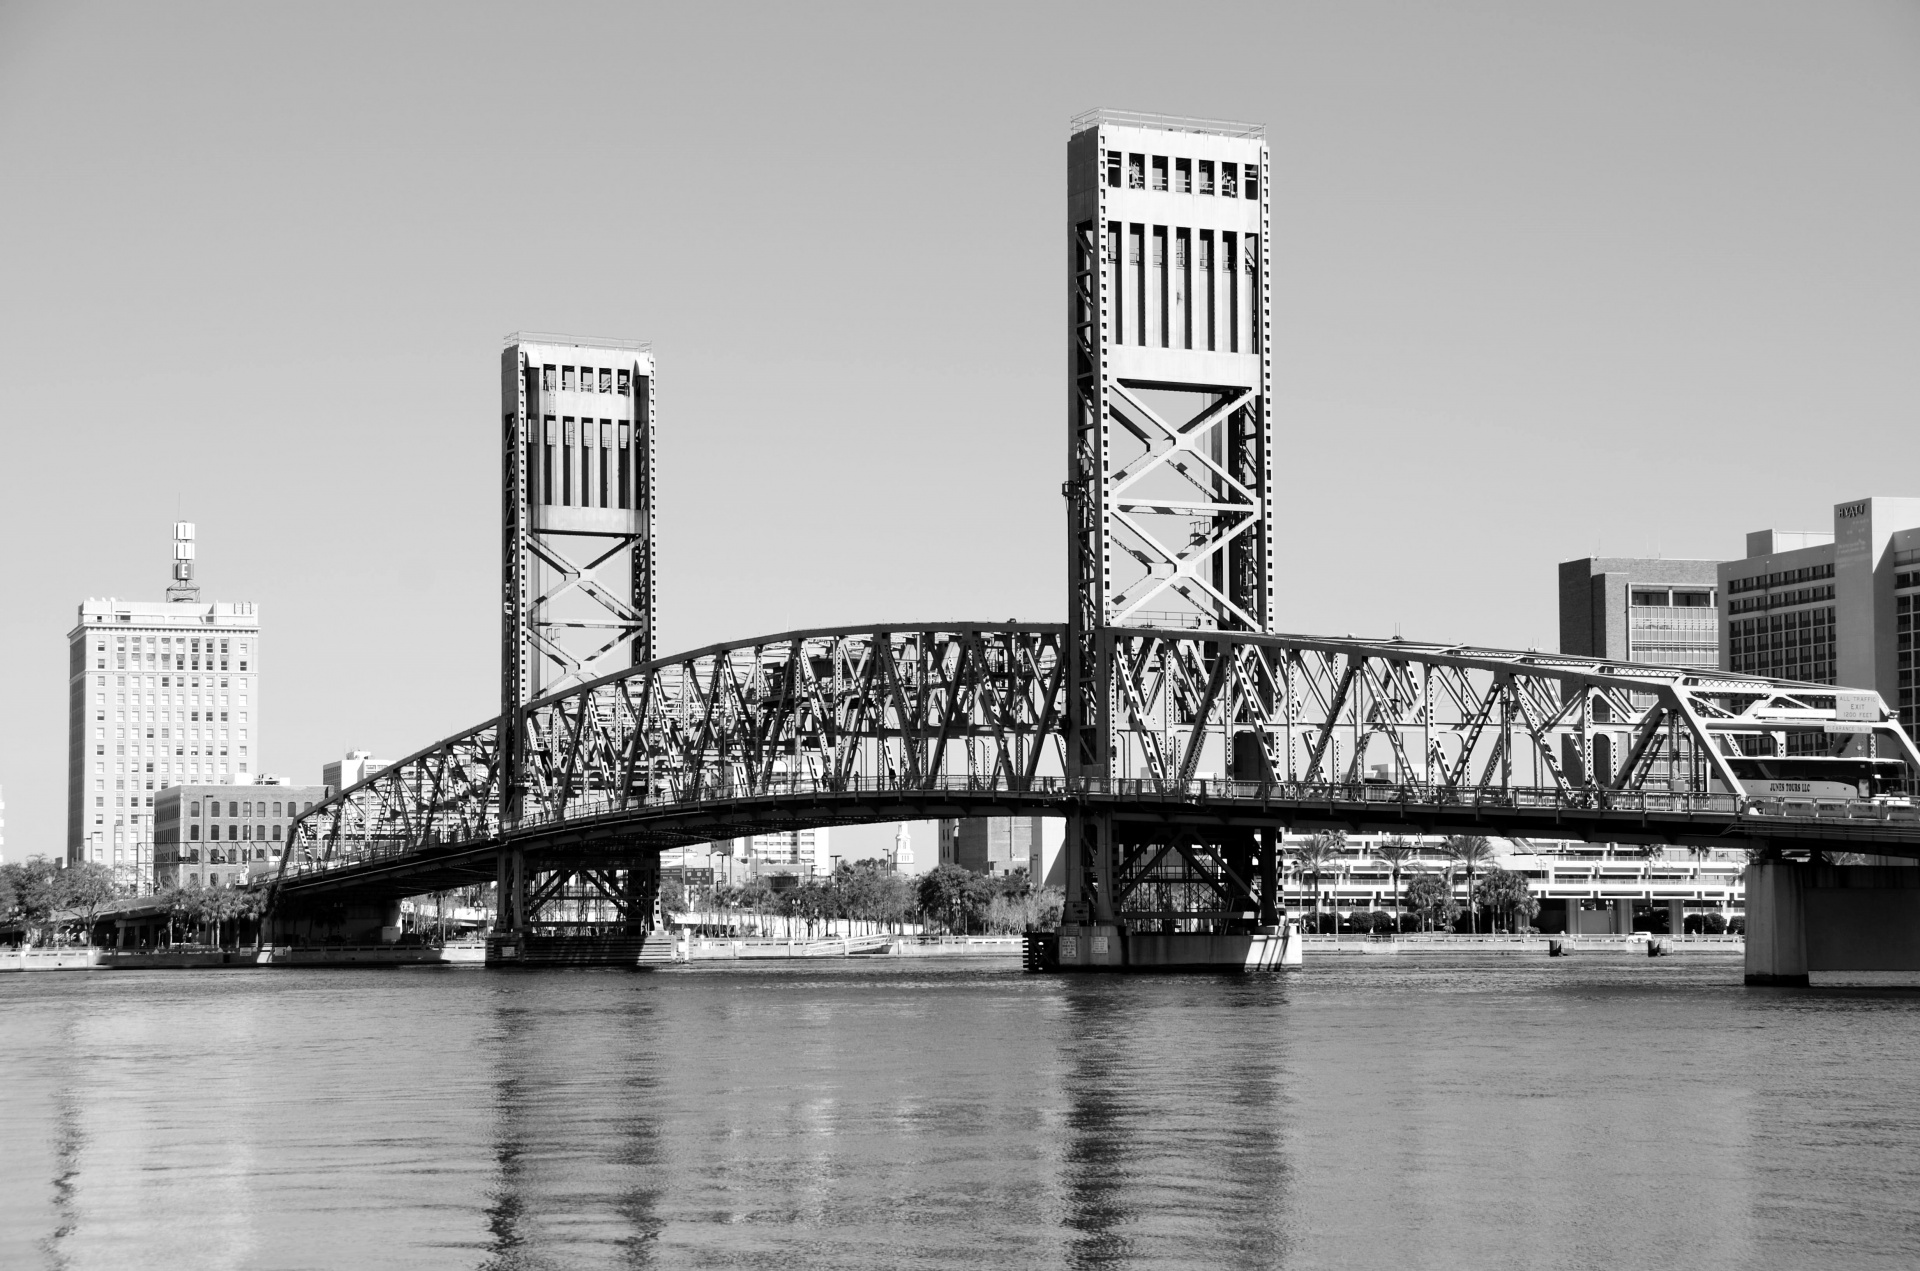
point(1519, 946)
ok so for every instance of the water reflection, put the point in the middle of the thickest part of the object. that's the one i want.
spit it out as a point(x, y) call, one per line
point(1176, 1150)
point(575, 1116)
point(866, 1116)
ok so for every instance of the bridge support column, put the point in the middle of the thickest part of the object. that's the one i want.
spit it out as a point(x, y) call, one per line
point(1833, 925)
point(510, 914)
point(1269, 877)
point(1088, 938)
point(642, 897)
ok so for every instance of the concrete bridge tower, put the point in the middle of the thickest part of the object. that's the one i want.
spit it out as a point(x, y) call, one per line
point(577, 581)
point(1169, 435)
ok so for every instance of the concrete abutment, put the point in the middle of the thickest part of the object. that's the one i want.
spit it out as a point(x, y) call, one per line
point(1833, 925)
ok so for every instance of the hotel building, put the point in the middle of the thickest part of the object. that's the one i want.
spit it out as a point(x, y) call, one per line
point(1832, 607)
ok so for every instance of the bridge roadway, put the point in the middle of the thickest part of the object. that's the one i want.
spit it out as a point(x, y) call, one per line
point(611, 836)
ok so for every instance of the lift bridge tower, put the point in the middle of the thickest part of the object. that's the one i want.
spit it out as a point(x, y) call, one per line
point(1169, 488)
point(576, 586)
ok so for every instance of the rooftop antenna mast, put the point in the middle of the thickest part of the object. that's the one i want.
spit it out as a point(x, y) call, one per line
point(183, 588)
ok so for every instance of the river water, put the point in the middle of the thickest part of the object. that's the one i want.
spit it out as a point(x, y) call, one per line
point(1425, 1112)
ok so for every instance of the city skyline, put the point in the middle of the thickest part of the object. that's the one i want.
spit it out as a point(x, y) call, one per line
point(1571, 352)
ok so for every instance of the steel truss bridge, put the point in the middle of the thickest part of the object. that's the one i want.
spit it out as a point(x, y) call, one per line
point(1167, 720)
point(1223, 733)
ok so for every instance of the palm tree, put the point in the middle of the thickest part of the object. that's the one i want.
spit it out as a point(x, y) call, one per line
point(1396, 853)
point(1314, 855)
point(1470, 851)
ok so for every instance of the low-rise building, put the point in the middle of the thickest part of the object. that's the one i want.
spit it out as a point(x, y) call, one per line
point(220, 835)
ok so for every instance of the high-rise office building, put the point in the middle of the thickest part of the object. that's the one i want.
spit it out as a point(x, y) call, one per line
point(1831, 607)
point(991, 844)
point(790, 853)
point(1626, 609)
point(159, 694)
point(337, 774)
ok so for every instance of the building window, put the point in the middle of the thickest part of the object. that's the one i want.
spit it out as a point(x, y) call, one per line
point(193, 833)
point(1160, 172)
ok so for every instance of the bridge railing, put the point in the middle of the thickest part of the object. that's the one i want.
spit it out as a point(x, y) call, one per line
point(1062, 792)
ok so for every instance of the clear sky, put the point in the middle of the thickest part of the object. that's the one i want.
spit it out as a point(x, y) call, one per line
point(1550, 279)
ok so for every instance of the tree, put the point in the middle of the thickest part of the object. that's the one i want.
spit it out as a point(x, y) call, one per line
point(84, 888)
point(1431, 897)
point(35, 885)
point(1313, 856)
point(673, 896)
point(1396, 853)
point(177, 901)
point(1471, 852)
point(946, 893)
point(1507, 895)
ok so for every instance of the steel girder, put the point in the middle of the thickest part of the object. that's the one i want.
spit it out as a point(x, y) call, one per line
point(1234, 730)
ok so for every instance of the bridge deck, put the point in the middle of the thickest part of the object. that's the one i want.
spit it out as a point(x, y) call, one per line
point(607, 835)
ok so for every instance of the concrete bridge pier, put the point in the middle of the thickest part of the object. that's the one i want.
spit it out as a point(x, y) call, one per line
point(1833, 925)
point(575, 913)
point(1106, 928)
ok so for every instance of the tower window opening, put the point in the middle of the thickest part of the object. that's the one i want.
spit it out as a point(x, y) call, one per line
point(546, 378)
point(1250, 183)
point(606, 456)
point(1206, 176)
point(546, 468)
point(1113, 169)
point(1229, 180)
point(566, 463)
point(1160, 173)
point(625, 384)
point(1183, 176)
point(1136, 172)
point(626, 469)
point(606, 380)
